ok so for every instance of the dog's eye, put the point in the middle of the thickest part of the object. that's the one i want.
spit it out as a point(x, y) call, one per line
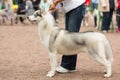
point(39, 14)
point(35, 15)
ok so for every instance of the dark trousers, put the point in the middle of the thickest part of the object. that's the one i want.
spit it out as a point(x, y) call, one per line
point(72, 24)
point(94, 6)
point(106, 21)
point(118, 18)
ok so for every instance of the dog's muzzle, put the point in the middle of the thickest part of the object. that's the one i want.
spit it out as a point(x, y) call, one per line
point(32, 18)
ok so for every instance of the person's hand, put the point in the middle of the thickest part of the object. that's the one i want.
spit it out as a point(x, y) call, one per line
point(52, 7)
point(104, 7)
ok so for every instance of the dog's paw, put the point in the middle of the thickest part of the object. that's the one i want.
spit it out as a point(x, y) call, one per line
point(107, 75)
point(50, 74)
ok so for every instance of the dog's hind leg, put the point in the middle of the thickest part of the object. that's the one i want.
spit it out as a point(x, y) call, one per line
point(102, 59)
point(99, 55)
point(106, 63)
point(53, 64)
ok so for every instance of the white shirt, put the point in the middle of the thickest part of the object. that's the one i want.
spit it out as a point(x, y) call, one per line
point(71, 4)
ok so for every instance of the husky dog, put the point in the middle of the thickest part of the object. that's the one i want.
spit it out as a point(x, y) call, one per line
point(60, 41)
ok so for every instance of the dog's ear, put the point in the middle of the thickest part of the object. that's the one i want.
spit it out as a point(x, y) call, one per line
point(38, 13)
point(43, 12)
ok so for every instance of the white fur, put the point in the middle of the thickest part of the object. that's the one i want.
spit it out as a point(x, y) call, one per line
point(59, 41)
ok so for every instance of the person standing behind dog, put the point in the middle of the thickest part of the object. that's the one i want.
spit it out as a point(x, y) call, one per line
point(7, 10)
point(74, 13)
point(21, 10)
point(107, 7)
point(118, 15)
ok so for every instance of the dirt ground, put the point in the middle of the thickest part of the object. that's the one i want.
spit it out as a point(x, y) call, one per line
point(23, 57)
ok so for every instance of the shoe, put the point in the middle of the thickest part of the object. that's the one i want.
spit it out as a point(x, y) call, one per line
point(110, 31)
point(104, 31)
point(60, 69)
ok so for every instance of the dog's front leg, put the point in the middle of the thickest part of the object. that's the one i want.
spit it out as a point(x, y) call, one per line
point(53, 64)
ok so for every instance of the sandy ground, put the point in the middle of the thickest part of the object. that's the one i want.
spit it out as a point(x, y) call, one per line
point(23, 57)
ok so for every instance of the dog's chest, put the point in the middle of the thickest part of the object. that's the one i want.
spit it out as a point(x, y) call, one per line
point(45, 40)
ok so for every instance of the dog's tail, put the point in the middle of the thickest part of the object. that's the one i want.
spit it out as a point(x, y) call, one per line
point(109, 53)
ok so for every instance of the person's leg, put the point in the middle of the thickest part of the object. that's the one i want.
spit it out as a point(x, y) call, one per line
point(95, 17)
point(21, 19)
point(118, 20)
point(105, 21)
point(109, 19)
point(73, 23)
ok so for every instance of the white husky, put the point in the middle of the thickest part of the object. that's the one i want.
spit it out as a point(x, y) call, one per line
point(60, 41)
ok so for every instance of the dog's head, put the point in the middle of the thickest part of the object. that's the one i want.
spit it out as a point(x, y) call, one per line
point(36, 16)
point(40, 16)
